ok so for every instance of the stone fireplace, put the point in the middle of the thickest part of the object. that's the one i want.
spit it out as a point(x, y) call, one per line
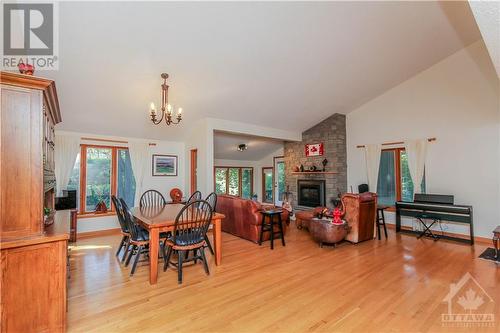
point(310, 193)
point(332, 133)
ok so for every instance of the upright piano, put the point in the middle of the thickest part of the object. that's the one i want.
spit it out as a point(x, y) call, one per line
point(436, 206)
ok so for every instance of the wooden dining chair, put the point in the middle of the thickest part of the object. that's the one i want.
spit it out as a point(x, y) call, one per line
point(139, 239)
point(152, 198)
point(125, 242)
point(190, 228)
point(196, 196)
point(212, 201)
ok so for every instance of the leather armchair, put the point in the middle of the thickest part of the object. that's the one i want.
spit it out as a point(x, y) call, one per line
point(243, 217)
point(360, 212)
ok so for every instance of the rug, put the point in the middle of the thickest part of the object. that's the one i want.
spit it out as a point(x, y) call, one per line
point(489, 254)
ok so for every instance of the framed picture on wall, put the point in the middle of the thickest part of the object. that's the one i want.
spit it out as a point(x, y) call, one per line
point(164, 165)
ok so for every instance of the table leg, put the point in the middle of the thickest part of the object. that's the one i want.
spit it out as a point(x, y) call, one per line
point(217, 240)
point(154, 242)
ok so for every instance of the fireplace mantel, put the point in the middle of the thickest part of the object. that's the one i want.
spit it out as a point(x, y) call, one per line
point(314, 173)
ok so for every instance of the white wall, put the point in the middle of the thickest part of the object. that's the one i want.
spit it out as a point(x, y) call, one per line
point(161, 184)
point(257, 166)
point(456, 101)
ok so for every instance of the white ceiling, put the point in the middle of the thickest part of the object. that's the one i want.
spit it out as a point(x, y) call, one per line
point(487, 15)
point(225, 146)
point(286, 65)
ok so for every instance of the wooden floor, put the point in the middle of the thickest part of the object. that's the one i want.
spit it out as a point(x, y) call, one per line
point(376, 286)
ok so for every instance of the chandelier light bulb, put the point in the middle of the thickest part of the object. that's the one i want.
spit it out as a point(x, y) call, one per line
point(179, 111)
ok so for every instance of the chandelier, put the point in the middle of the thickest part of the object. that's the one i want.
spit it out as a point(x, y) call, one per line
point(167, 111)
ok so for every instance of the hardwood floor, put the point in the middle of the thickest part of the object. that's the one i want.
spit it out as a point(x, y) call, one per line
point(376, 286)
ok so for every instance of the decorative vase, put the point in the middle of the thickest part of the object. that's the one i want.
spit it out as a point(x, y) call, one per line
point(25, 69)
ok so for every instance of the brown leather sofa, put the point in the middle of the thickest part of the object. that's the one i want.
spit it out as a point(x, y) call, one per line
point(243, 217)
point(360, 212)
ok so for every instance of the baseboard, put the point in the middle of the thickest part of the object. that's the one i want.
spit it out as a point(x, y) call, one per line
point(98, 233)
point(481, 240)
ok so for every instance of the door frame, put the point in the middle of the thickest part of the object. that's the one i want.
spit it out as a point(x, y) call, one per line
point(264, 184)
point(194, 170)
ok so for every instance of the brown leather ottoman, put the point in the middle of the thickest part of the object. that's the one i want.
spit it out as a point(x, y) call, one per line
point(324, 231)
point(303, 217)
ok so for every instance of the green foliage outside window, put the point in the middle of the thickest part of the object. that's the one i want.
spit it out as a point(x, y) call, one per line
point(246, 183)
point(98, 178)
point(220, 180)
point(281, 179)
point(234, 180)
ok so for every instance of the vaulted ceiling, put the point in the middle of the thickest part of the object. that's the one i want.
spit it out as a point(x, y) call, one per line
point(286, 65)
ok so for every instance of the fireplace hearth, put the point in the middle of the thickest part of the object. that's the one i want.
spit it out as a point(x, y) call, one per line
point(311, 193)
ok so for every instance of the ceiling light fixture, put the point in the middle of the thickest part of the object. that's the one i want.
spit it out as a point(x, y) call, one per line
point(167, 111)
point(242, 147)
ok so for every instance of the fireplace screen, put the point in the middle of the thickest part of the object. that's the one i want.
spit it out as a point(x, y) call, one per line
point(311, 193)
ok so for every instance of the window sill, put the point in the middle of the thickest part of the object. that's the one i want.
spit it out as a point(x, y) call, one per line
point(93, 215)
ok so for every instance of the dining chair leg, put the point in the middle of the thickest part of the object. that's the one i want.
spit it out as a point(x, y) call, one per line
point(136, 260)
point(130, 255)
point(205, 264)
point(179, 267)
point(166, 258)
point(383, 221)
point(209, 245)
point(121, 245)
point(195, 256)
point(127, 248)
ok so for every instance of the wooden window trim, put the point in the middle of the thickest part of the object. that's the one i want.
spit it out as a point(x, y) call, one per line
point(83, 178)
point(397, 172)
point(240, 183)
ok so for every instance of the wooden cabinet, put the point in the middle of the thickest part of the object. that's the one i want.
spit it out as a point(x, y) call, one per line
point(33, 257)
point(21, 175)
point(37, 302)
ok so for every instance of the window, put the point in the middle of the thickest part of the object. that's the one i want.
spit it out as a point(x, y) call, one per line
point(267, 184)
point(234, 181)
point(99, 172)
point(394, 180)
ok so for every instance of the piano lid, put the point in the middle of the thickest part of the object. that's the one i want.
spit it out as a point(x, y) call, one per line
point(439, 199)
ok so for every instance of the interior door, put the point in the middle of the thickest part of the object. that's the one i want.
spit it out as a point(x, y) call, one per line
point(279, 180)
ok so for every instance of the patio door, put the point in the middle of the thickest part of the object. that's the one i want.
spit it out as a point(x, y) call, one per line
point(279, 180)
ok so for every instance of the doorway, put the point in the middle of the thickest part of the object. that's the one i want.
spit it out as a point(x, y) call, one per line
point(279, 179)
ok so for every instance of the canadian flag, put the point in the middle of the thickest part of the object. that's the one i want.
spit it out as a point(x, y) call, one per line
point(314, 149)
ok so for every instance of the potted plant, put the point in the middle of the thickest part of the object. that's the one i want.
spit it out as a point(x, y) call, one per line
point(48, 216)
point(98, 197)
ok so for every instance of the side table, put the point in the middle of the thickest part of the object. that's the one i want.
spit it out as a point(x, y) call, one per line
point(324, 231)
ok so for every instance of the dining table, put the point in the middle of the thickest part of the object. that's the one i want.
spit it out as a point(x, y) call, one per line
point(157, 219)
